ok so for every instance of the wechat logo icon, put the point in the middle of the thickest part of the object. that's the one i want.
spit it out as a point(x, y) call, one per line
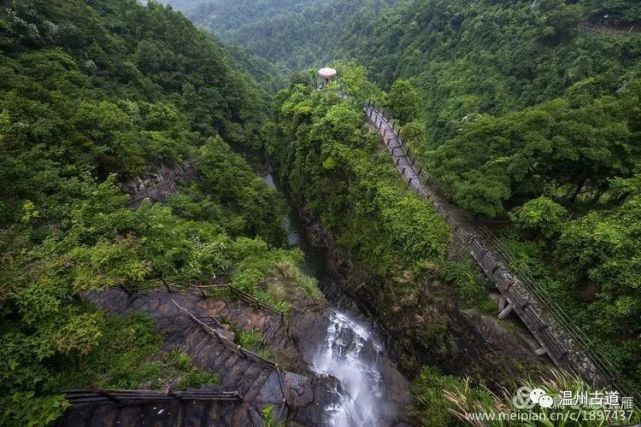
point(527, 398)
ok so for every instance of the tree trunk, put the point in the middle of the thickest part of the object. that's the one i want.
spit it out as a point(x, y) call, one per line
point(578, 189)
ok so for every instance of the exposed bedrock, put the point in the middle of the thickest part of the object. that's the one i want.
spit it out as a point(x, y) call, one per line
point(425, 325)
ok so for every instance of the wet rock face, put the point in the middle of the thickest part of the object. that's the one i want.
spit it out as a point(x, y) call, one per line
point(370, 389)
point(306, 394)
point(425, 327)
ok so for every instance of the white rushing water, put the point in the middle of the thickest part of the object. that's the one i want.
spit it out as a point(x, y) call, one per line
point(350, 355)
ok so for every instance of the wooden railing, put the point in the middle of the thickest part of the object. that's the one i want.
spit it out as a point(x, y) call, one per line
point(154, 286)
point(241, 350)
point(566, 344)
point(78, 397)
point(608, 31)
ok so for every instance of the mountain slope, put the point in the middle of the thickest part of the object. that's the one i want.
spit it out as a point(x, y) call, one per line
point(96, 95)
point(296, 34)
point(524, 115)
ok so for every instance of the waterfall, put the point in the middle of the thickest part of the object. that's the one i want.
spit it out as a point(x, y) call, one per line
point(350, 354)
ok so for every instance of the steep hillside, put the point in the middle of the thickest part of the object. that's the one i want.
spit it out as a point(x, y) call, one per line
point(96, 93)
point(526, 111)
point(296, 34)
point(524, 116)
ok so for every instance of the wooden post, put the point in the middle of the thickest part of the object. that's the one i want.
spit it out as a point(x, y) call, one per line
point(180, 415)
point(502, 303)
point(507, 310)
point(540, 351)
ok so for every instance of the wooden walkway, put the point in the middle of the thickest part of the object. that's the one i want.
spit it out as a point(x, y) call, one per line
point(107, 408)
point(605, 30)
point(566, 345)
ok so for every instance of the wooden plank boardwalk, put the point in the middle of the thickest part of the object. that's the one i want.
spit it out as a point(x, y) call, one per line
point(106, 408)
point(566, 345)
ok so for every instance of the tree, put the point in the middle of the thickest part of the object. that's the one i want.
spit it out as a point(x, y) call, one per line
point(541, 217)
point(403, 101)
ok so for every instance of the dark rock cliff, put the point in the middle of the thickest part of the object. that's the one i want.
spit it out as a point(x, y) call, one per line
point(423, 324)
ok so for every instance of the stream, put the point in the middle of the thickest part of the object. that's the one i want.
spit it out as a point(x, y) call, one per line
point(352, 351)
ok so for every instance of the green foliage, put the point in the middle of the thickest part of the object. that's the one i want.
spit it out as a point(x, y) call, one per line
point(556, 148)
point(462, 276)
point(94, 93)
point(259, 209)
point(540, 216)
point(403, 101)
point(251, 340)
point(523, 113)
point(127, 354)
point(603, 249)
point(333, 166)
point(294, 34)
point(189, 375)
point(429, 397)
point(268, 417)
point(272, 276)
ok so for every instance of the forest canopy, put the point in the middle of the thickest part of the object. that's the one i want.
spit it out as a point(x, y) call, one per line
point(92, 95)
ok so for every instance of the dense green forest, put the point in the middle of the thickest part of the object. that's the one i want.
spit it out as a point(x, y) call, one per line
point(549, 136)
point(525, 115)
point(93, 94)
point(522, 115)
point(294, 34)
point(527, 118)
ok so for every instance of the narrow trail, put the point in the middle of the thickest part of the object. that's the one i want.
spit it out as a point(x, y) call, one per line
point(565, 344)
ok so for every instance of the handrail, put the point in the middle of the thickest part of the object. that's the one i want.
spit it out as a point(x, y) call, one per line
point(605, 30)
point(237, 348)
point(155, 284)
point(77, 397)
point(502, 259)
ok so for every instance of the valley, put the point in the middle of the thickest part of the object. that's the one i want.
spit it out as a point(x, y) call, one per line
point(199, 228)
